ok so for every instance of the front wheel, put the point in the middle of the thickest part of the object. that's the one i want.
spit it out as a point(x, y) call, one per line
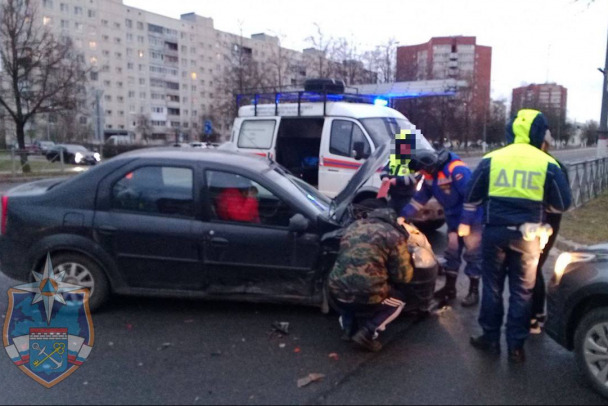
point(591, 348)
point(82, 271)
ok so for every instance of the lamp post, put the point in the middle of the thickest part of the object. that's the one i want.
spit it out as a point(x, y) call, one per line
point(602, 142)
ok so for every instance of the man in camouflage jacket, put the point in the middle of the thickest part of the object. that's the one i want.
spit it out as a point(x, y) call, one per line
point(373, 259)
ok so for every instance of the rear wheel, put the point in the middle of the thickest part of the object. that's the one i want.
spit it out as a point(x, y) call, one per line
point(591, 348)
point(82, 271)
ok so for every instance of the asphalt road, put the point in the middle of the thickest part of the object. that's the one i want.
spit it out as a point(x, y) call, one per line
point(158, 351)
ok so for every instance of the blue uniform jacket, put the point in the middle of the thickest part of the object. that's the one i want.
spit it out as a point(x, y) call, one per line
point(449, 187)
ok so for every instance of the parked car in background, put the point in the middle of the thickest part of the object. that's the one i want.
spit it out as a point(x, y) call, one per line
point(73, 154)
point(198, 144)
point(164, 221)
point(44, 146)
point(577, 310)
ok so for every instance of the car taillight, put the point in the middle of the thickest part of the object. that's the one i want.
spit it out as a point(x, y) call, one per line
point(4, 215)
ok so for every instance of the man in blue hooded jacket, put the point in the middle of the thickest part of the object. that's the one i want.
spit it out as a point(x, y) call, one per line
point(516, 185)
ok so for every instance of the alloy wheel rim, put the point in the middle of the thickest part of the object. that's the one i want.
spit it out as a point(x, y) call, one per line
point(77, 274)
point(596, 352)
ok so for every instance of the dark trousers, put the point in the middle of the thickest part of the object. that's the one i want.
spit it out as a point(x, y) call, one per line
point(371, 317)
point(539, 294)
point(506, 254)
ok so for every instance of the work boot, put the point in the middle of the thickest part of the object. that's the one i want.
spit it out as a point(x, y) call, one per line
point(472, 298)
point(517, 355)
point(448, 292)
point(365, 340)
point(483, 343)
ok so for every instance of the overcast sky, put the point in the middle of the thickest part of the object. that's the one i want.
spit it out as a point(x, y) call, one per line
point(562, 41)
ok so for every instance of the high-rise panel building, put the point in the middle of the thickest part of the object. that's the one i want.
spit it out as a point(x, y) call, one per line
point(550, 98)
point(451, 57)
point(163, 76)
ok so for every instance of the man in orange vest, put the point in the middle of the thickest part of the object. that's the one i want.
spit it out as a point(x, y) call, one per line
point(446, 177)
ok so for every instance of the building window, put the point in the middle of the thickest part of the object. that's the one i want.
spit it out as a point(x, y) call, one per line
point(78, 11)
point(92, 13)
point(46, 20)
point(48, 3)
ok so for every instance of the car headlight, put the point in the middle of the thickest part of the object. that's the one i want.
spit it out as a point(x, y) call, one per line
point(568, 258)
point(78, 157)
point(97, 156)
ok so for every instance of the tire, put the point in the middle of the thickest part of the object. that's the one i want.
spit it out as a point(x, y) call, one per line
point(587, 343)
point(429, 226)
point(75, 265)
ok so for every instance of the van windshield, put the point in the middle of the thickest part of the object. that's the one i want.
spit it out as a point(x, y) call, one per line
point(385, 128)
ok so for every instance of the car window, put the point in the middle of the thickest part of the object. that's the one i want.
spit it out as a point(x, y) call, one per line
point(346, 137)
point(156, 190)
point(256, 134)
point(235, 198)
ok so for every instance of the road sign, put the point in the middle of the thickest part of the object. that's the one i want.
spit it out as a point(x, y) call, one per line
point(208, 127)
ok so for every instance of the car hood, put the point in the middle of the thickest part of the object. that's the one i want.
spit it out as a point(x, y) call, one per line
point(370, 167)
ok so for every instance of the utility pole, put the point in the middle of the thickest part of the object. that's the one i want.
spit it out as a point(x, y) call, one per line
point(602, 142)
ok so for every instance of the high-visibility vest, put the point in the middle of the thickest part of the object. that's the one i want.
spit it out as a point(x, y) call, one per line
point(396, 168)
point(519, 171)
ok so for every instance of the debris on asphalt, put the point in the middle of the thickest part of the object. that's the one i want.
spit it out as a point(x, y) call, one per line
point(297, 350)
point(129, 326)
point(281, 327)
point(334, 356)
point(164, 346)
point(216, 354)
point(188, 321)
point(111, 344)
point(282, 345)
point(141, 364)
point(310, 379)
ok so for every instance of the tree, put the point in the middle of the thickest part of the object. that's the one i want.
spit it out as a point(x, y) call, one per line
point(589, 133)
point(387, 62)
point(143, 126)
point(41, 73)
point(319, 55)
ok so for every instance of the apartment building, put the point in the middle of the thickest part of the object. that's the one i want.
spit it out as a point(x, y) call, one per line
point(550, 98)
point(457, 57)
point(156, 76)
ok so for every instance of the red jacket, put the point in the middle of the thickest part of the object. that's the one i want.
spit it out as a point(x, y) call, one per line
point(232, 205)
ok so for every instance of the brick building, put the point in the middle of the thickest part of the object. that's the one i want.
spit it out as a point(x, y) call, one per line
point(550, 98)
point(451, 57)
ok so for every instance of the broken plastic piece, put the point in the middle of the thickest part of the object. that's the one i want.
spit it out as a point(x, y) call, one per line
point(309, 379)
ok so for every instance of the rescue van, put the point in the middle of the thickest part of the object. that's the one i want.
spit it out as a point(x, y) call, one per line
point(323, 135)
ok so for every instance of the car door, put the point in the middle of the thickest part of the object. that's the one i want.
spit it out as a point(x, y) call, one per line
point(249, 249)
point(344, 148)
point(144, 219)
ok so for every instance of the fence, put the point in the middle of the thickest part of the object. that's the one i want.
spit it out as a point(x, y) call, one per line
point(588, 180)
point(10, 164)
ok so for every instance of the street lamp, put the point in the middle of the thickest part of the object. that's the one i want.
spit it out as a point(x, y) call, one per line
point(602, 142)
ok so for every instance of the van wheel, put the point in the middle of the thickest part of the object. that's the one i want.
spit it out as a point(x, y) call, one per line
point(82, 271)
point(591, 348)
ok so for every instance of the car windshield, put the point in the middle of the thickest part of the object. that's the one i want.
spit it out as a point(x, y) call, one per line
point(77, 148)
point(385, 128)
point(311, 193)
point(289, 182)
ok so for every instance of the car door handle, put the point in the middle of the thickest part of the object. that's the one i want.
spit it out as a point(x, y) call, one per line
point(107, 229)
point(333, 170)
point(219, 242)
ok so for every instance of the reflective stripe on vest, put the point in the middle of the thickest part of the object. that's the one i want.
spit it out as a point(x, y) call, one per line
point(396, 168)
point(519, 171)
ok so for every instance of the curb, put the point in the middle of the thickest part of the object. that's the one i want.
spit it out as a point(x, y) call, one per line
point(566, 245)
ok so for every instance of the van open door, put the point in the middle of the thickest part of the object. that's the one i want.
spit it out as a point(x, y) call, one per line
point(256, 135)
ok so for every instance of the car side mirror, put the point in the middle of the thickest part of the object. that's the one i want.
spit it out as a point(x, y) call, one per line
point(298, 223)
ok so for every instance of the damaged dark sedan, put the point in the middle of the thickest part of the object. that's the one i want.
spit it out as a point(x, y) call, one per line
point(200, 223)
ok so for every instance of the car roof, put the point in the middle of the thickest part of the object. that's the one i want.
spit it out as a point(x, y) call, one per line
point(251, 161)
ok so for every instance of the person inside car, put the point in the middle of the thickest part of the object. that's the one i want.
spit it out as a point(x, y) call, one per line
point(238, 203)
